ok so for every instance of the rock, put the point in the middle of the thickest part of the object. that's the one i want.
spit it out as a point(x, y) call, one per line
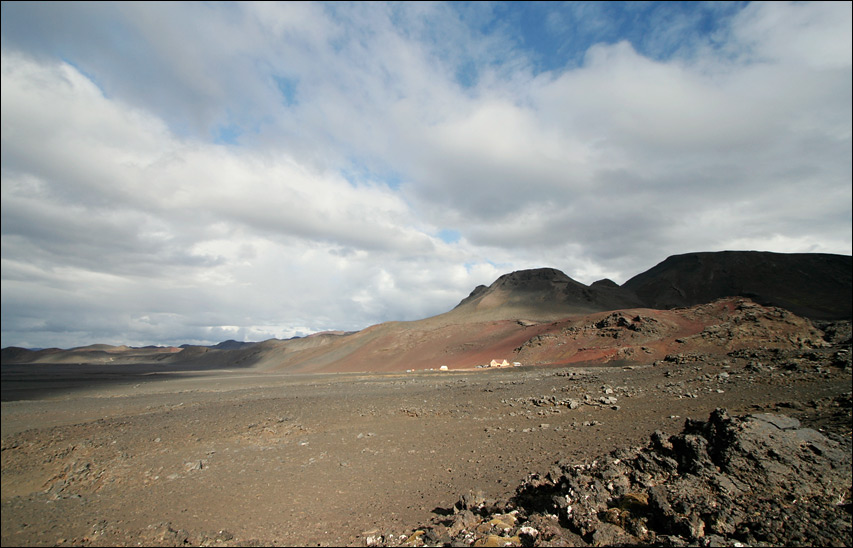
point(758, 479)
point(415, 539)
point(528, 534)
point(779, 421)
point(495, 540)
point(608, 534)
point(503, 523)
point(634, 501)
point(194, 465)
point(471, 501)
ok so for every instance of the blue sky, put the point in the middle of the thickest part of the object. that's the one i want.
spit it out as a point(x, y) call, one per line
point(195, 172)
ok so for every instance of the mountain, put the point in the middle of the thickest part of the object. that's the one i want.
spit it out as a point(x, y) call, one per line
point(541, 294)
point(813, 285)
point(537, 315)
point(231, 344)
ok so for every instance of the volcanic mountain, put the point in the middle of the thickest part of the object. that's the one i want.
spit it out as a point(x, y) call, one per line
point(541, 294)
point(814, 285)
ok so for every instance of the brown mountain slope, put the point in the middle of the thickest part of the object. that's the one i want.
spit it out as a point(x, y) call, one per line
point(488, 324)
point(814, 285)
point(628, 336)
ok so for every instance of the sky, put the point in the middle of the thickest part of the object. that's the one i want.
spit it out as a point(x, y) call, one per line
point(188, 173)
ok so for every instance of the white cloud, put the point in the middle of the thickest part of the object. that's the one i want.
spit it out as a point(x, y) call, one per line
point(643, 147)
point(162, 235)
point(815, 34)
point(126, 220)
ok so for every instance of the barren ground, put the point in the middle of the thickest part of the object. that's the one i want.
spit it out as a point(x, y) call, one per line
point(243, 458)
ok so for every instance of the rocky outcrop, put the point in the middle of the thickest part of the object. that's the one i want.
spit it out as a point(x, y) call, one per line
point(756, 480)
point(644, 335)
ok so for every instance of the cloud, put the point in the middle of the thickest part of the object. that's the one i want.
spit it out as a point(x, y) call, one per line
point(625, 151)
point(816, 35)
point(191, 172)
point(143, 233)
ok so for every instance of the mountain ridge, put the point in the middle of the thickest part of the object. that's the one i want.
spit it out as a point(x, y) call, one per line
point(814, 285)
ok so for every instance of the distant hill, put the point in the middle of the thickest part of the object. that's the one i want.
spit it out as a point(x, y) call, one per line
point(813, 285)
point(16, 354)
point(231, 344)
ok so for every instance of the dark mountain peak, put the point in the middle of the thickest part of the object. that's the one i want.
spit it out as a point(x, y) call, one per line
point(814, 285)
point(521, 278)
point(605, 283)
point(546, 283)
point(544, 292)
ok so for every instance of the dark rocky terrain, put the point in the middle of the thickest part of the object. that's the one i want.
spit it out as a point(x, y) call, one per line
point(759, 479)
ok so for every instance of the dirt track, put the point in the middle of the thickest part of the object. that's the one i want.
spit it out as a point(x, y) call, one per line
point(230, 458)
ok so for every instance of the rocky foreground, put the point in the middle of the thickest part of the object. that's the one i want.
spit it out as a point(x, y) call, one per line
point(550, 455)
point(755, 480)
point(759, 479)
